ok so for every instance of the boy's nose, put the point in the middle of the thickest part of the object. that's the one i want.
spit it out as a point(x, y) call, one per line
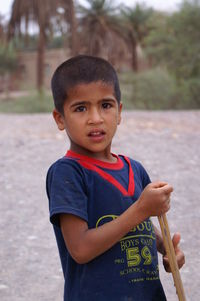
point(95, 117)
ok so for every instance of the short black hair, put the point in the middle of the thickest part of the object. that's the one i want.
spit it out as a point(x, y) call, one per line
point(79, 70)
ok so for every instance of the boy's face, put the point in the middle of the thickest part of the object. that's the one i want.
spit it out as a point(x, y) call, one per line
point(91, 115)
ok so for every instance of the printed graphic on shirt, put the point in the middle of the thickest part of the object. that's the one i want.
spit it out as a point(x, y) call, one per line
point(137, 258)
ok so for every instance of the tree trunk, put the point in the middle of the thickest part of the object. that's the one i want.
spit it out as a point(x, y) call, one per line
point(73, 26)
point(40, 60)
point(134, 56)
point(131, 40)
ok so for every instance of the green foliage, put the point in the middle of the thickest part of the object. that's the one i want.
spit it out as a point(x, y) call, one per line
point(32, 103)
point(175, 43)
point(8, 58)
point(151, 90)
point(186, 45)
point(159, 40)
point(157, 89)
point(189, 94)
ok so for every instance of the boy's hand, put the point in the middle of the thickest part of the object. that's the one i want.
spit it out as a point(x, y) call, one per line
point(180, 257)
point(155, 199)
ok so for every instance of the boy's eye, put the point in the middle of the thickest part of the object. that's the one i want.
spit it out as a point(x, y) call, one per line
point(80, 109)
point(106, 105)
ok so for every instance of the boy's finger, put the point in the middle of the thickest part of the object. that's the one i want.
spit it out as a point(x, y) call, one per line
point(167, 188)
point(158, 184)
point(176, 240)
point(166, 264)
point(162, 185)
point(180, 259)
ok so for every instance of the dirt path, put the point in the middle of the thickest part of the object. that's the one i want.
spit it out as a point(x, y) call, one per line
point(168, 145)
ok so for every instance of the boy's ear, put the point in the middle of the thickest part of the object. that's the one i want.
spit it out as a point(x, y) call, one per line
point(59, 119)
point(119, 114)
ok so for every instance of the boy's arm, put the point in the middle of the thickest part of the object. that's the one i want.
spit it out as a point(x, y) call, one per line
point(159, 241)
point(180, 257)
point(86, 244)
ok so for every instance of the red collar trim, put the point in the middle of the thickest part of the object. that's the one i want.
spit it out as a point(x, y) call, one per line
point(106, 176)
point(117, 165)
point(92, 164)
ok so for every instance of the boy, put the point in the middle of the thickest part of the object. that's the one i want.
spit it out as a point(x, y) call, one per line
point(101, 203)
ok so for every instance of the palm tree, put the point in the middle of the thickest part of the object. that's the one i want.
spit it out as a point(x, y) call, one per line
point(2, 29)
point(26, 11)
point(135, 28)
point(8, 65)
point(40, 12)
point(99, 28)
point(70, 17)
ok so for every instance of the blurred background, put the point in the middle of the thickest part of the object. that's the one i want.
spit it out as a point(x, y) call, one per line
point(154, 45)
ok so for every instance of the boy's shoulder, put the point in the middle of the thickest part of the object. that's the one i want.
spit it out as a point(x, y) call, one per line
point(63, 165)
point(62, 161)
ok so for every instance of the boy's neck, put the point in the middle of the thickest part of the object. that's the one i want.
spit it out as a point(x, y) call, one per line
point(105, 157)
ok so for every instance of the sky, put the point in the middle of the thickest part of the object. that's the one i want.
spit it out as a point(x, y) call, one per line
point(169, 5)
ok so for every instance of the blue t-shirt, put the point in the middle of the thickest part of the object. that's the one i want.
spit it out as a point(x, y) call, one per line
point(99, 192)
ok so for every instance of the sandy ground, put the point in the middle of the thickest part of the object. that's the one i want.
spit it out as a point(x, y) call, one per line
point(168, 145)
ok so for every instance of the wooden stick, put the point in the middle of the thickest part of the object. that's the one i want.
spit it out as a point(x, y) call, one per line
point(171, 256)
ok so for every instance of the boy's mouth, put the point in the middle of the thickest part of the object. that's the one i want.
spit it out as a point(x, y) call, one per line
point(96, 134)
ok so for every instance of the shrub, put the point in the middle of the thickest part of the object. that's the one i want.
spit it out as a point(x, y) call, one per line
point(154, 89)
point(189, 94)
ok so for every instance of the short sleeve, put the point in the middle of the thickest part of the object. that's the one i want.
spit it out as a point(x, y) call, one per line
point(142, 173)
point(145, 177)
point(66, 190)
